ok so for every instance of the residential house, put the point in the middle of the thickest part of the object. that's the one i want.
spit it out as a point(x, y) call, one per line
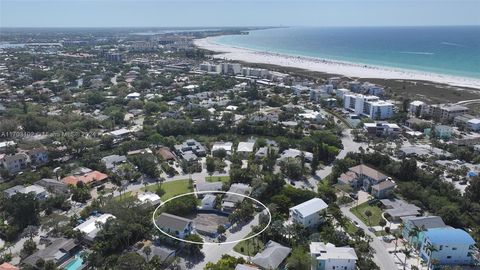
point(398, 209)
point(38, 155)
point(308, 214)
point(473, 124)
point(226, 146)
point(295, 153)
point(54, 186)
point(382, 129)
point(383, 189)
point(112, 161)
point(244, 149)
point(329, 257)
point(272, 256)
point(86, 176)
point(362, 176)
point(15, 163)
point(207, 186)
point(119, 134)
point(163, 253)
point(165, 153)
point(90, 227)
point(7, 266)
point(208, 202)
point(421, 224)
point(40, 192)
point(443, 132)
point(148, 197)
point(5, 145)
point(450, 246)
point(58, 251)
point(462, 120)
point(190, 150)
point(174, 225)
point(230, 200)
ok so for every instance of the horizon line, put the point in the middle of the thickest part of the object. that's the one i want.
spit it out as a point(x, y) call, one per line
point(227, 26)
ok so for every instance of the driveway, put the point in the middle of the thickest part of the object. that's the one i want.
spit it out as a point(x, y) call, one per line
point(381, 257)
point(213, 253)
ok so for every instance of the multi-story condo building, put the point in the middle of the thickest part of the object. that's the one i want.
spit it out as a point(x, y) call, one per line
point(255, 72)
point(211, 68)
point(231, 68)
point(369, 106)
point(446, 112)
point(417, 108)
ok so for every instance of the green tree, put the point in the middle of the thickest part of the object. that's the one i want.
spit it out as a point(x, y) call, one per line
point(24, 209)
point(299, 260)
point(368, 214)
point(29, 247)
point(193, 249)
point(210, 163)
point(130, 260)
point(227, 262)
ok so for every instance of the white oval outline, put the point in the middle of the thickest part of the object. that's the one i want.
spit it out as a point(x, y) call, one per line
point(211, 243)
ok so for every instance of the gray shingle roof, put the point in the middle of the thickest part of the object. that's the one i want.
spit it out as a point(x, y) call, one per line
point(272, 256)
point(173, 222)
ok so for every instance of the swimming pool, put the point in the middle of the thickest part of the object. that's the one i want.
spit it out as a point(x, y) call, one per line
point(76, 264)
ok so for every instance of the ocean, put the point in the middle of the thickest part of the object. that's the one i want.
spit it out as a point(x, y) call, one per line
point(449, 50)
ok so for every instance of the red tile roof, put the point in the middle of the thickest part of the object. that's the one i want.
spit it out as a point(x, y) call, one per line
point(7, 266)
point(94, 176)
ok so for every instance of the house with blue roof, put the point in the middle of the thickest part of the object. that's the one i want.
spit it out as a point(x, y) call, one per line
point(447, 246)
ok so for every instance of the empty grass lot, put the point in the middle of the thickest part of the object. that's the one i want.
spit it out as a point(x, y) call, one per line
point(223, 179)
point(172, 188)
point(359, 211)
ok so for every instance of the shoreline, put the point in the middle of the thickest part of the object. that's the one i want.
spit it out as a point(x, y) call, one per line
point(348, 69)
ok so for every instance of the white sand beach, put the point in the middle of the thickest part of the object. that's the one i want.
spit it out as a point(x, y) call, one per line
point(330, 66)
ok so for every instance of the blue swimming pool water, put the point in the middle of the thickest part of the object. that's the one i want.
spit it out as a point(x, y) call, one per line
point(75, 264)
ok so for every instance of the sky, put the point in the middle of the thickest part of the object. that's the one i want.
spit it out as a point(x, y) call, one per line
point(211, 13)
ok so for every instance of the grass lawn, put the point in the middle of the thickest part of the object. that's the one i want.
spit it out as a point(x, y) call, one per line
point(124, 196)
point(223, 179)
point(350, 228)
point(359, 211)
point(172, 188)
point(249, 247)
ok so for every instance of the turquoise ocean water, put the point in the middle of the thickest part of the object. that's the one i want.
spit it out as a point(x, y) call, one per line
point(445, 50)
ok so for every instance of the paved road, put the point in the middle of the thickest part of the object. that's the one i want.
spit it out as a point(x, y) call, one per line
point(382, 258)
point(348, 146)
point(213, 253)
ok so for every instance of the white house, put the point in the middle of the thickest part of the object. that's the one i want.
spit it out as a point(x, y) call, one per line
point(308, 214)
point(474, 124)
point(90, 227)
point(329, 257)
point(245, 148)
point(149, 197)
point(450, 246)
point(40, 192)
point(227, 146)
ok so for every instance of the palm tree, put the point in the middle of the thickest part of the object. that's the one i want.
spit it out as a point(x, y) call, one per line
point(407, 253)
point(413, 233)
point(430, 249)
